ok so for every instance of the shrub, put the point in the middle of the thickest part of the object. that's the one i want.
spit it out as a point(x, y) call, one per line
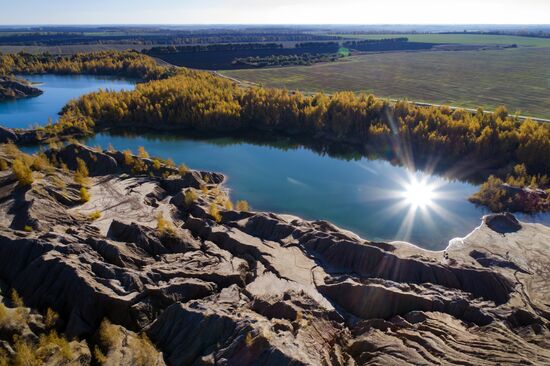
point(25, 354)
point(41, 163)
point(99, 355)
point(163, 225)
point(170, 163)
point(145, 352)
point(16, 299)
point(128, 158)
point(157, 164)
point(3, 314)
point(94, 215)
point(3, 165)
point(190, 197)
point(142, 153)
point(22, 172)
point(215, 212)
point(183, 169)
point(27, 228)
point(84, 195)
point(109, 334)
point(53, 339)
point(4, 360)
point(81, 173)
point(11, 149)
point(242, 205)
point(227, 204)
point(51, 318)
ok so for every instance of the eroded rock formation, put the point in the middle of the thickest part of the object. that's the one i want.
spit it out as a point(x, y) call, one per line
point(260, 288)
point(12, 88)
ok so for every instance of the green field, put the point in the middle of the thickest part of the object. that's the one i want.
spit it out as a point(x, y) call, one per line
point(459, 38)
point(518, 78)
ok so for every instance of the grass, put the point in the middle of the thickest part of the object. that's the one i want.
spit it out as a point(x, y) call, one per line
point(460, 38)
point(517, 78)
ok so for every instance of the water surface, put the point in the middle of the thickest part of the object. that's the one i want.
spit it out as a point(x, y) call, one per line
point(58, 90)
point(372, 198)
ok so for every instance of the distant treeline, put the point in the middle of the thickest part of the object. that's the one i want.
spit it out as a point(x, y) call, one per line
point(151, 37)
point(224, 56)
point(213, 48)
point(304, 59)
point(237, 56)
point(387, 44)
point(535, 34)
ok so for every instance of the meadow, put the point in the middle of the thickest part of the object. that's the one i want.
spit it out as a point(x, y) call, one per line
point(517, 78)
point(459, 38)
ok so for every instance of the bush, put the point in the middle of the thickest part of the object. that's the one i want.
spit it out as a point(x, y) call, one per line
point(163, 225)
point(41, 163)
point(53, 339)
point(190, 197)
point(215, 212)
point(81, 173)
point(25, 354)
point(84, 195)
point(22, 172)
point(227, 204)
point(16, 299)
point(3, 165)
point(51, 318)
point(109, 334)
point(242, 205)
point(128, 158)
point(183, 169)
point(142, 153)
point(3, 314)
point(94, 215)
point(27, 228)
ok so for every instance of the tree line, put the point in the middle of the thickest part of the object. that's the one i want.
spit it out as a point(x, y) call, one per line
point(128, 64)
point(305, 59)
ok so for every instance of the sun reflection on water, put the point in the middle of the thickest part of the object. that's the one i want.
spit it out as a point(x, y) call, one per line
point(419, 193)
point(416, 200)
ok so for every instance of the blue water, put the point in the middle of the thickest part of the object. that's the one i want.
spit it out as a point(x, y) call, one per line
point(58, 90)
point(368, 197)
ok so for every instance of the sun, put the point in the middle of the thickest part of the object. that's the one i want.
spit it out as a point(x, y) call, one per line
point(418, 193)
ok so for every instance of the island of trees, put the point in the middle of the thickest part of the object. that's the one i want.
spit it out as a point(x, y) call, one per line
point(181, 99)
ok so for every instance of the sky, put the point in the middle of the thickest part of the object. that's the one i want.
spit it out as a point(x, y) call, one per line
point(24, 12)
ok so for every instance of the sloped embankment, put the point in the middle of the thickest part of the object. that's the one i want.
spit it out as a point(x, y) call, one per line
point(165, 254)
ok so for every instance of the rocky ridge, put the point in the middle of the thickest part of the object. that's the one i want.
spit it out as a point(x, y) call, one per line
point(12, 88)
point(212, 285)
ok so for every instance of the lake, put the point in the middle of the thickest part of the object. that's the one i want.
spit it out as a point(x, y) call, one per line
point(58, 90)
point(373, 198)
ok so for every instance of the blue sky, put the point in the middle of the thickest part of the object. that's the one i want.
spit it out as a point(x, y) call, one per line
point(275, 12)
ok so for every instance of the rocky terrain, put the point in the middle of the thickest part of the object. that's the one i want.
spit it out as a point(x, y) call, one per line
point(161, 254)
point(12, 88)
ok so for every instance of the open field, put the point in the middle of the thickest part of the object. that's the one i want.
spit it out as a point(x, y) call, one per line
point(460, 38)
point(517, 78)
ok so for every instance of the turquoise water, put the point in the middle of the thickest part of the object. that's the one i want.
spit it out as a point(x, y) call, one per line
point(369, 197)
point(58, 90)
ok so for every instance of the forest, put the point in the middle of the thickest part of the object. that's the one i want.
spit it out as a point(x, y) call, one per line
point(129, 64)
point(202, 101)
point(231, 56)
point(304, 59)
point(387, 44)
point(142, 35)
